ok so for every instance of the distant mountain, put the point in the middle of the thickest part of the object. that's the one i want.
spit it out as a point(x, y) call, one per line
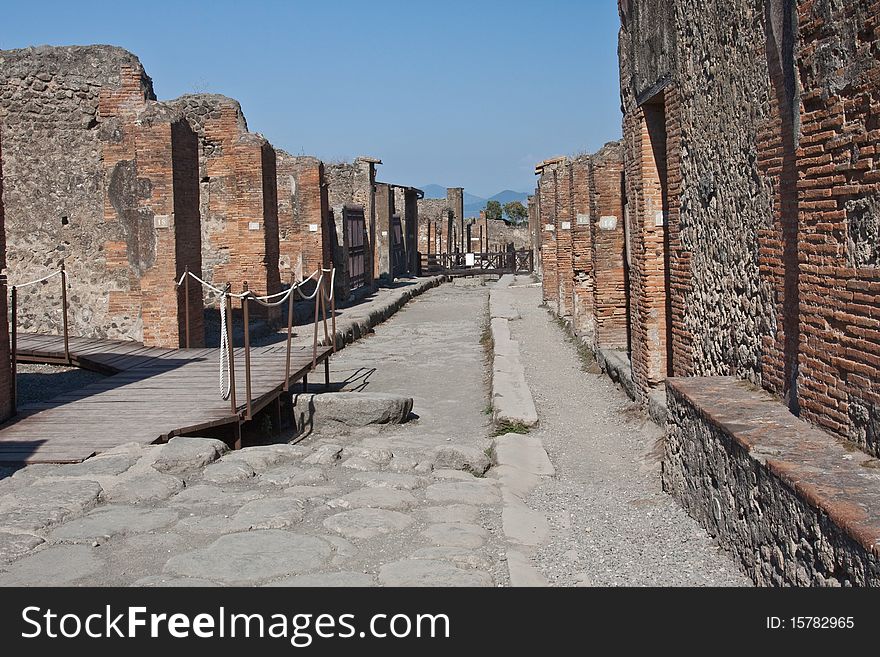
point(509, 195)
point(473, 204)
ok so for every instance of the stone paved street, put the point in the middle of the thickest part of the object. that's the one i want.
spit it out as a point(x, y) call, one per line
point(372, 505)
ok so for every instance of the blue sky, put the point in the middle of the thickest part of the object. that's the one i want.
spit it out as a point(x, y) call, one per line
point(450, 92)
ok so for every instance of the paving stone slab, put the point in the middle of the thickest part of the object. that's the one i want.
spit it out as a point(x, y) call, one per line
point(253, 557)
point(428, 572)
point(326, 454)
point(162, 581)
point(389, 480)
point(55, 566)
point(466, 557)
point(466, 492)
point(112, 520)
point(263, 457)
point(40, 505)
point(449, 513)
point(98, 466)
point(367, 523)
point(13, 546)
point(456, 534)
point(340, 579)
point(203, 496)
point(153, 487)
point(380, 498)
point(182, 455)
point(461, 457)
point(228, 471)
point(358, 409)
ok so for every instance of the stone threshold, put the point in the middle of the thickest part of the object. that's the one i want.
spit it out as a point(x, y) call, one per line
point(796, 505)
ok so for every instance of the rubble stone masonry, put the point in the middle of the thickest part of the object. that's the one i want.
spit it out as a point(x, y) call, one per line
point(111, 189)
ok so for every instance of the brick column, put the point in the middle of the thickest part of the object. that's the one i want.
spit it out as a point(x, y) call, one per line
point(582, 248)
point(384, 212)
point(564, 243)
point(5, 366)
point(547, 208)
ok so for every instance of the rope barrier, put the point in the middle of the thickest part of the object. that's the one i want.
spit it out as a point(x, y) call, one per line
point(39, 280)
point(282, 297)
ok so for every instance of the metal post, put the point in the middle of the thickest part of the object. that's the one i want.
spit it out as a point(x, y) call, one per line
point(14, 346)
point(324, 286)
point(64, 312)
point(327, 374)
point(245, 302)
point(289, 334)
point(186, 295)
point(230, 349)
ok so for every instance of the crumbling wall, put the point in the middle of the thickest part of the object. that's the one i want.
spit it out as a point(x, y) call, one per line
point(547, 216)
point(838, 199)
point(354, 183)
point(502, 235)
point(96, 175)
point(433, 218)
point(307, 235)
point(239, 205)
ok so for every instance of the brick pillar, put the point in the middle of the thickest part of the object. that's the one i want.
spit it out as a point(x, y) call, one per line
point(5, 366)
point(607, 233)
point(168, 157)
point(550, 282)
point(582, 248)
point(564, 264)
point(645, 134)
point(305, 230)
point(384, 213)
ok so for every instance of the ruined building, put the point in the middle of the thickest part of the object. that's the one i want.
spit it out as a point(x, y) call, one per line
point(732, 253)
point(239, 203)
point(100, 175)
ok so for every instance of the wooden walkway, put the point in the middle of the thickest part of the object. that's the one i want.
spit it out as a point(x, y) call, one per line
point(152, 395)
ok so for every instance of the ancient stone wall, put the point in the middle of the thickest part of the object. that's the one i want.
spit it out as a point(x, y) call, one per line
point(607, 236)
point(535, 232)
point(838, 204)
point(110, 190)
point(564, 245)
point(502, 235)
point(406, 204)
point(353, 183)
point(384, 212)
point(433, 219)
point(239, 203)
point(547, 217)
point(756, 144)
point(582, 247)
point(455, 227)
point(307, 235)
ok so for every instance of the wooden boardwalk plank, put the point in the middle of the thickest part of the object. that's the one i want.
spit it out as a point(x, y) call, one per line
point(157, 393)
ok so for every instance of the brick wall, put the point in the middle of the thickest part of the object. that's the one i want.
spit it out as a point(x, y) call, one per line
point(108, 190)
point(239, 203)
point(564, 224)
point(582, 247)
point(837, 165)
point(547, 216)
point(608, 233)
point(5, 365)
point(307, 235)
point(455, 228)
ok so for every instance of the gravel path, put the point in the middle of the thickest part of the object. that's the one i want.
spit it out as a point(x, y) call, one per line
point(611, 524)
point(36, 383)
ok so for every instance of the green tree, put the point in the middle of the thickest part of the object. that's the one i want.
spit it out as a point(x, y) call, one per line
point(493, 211)
point(516, 212)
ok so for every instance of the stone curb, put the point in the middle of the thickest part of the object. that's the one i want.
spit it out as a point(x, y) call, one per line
point(512, 400)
